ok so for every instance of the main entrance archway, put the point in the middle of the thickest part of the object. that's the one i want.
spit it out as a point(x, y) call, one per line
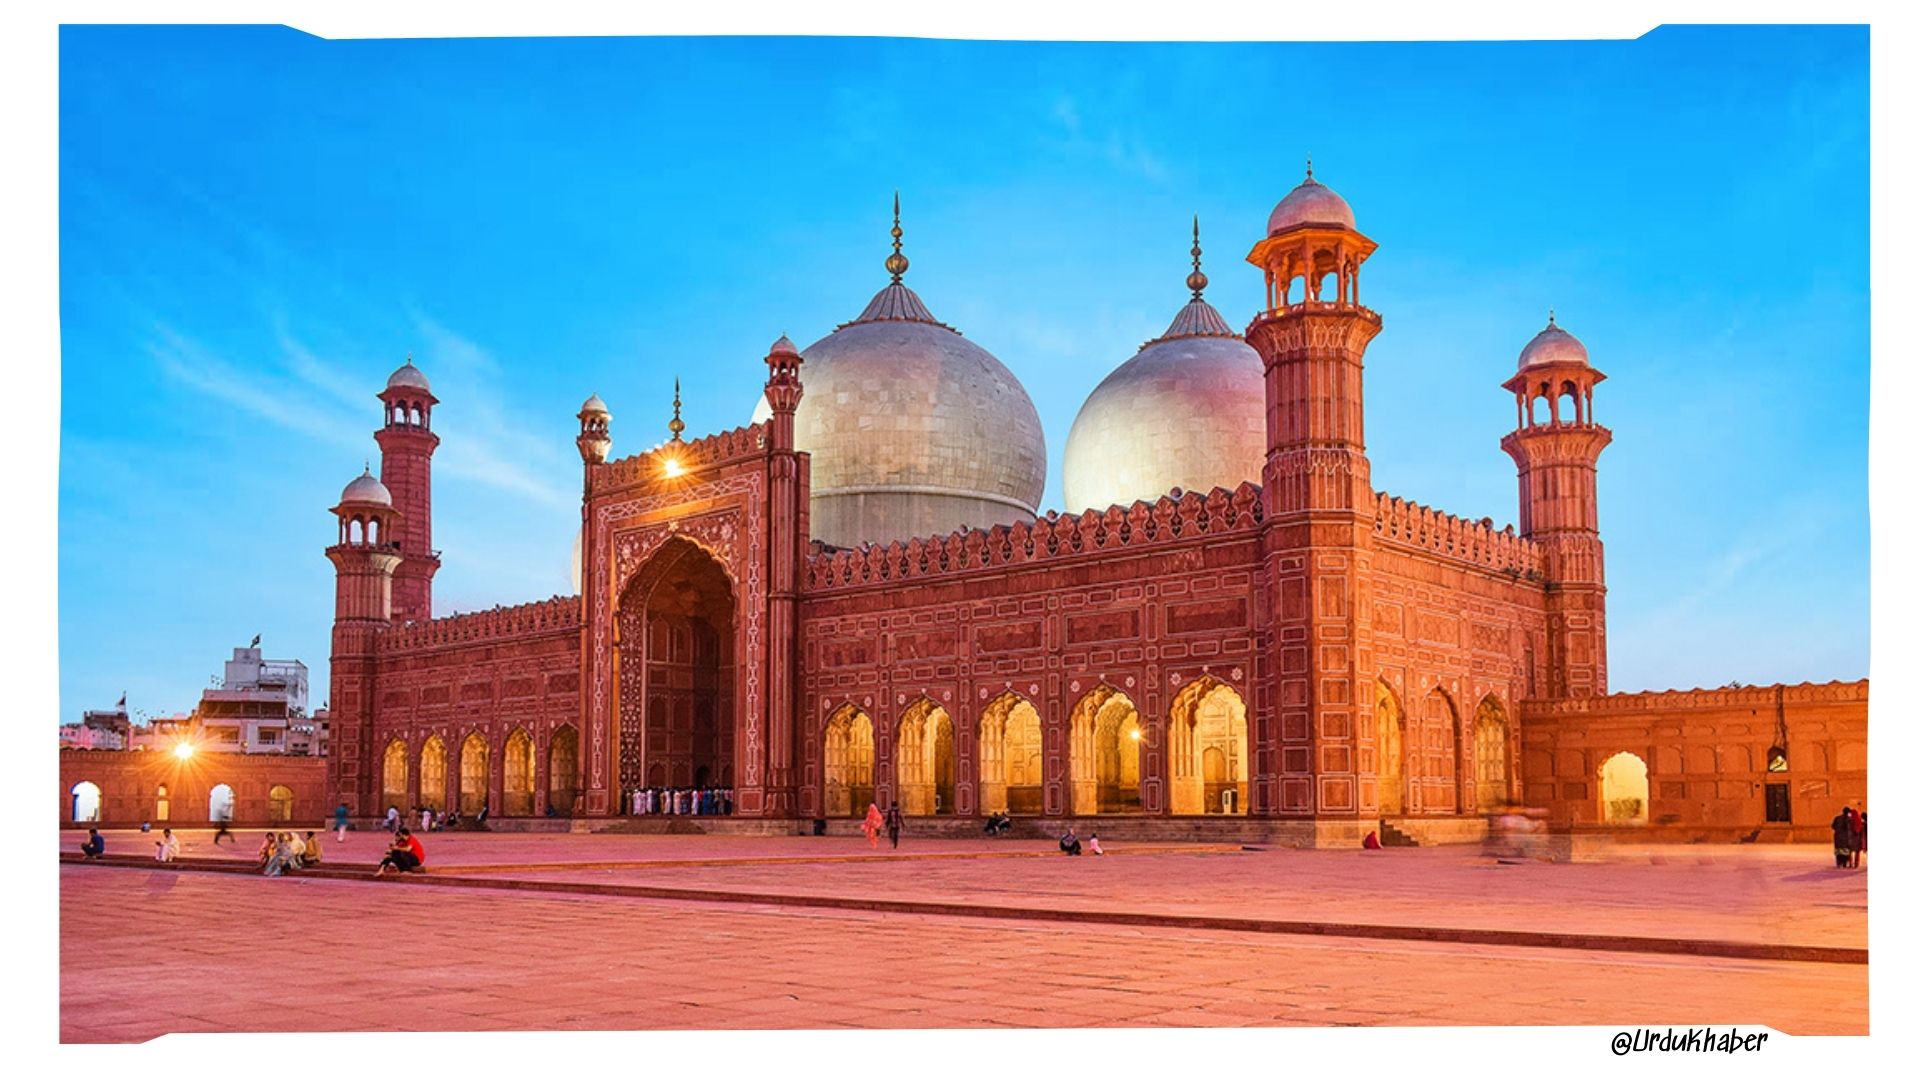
point(676, 659)
point(1010, 756)
point(1104, 741)
point(849, 761)
point(1208, 751)
point(923, 759)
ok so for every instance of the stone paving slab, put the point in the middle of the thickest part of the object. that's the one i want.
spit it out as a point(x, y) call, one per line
point(144, 952)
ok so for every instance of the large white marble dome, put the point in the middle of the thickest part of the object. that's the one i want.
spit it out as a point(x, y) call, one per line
point(1188, 411)
point(913, 429)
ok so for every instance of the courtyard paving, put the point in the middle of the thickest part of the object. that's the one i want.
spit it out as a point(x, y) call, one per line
point(149, 951)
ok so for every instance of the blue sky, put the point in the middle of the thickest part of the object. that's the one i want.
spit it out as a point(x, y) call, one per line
point(256, 226)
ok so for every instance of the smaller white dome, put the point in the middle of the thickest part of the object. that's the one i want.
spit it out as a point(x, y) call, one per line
point(366, 488)
point(1552, 346)
point(408, 377)
point(1312, 203)
point(595, 407)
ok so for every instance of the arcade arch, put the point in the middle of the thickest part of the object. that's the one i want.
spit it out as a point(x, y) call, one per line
point(433, 774)
point(162, 804)
point(849, 762)
point(1011, 756)
point(1104, 746)
point(516, 785)
point(1208, 749)
point(86, 801)
point(220, 803)
point(393, 777)
point(563, 770)
point(1623, 789)
point(280, 803)
point(473, 775)
point(1390, 736)
point(1433, 756)
point(924, 760)
point(1491, 764)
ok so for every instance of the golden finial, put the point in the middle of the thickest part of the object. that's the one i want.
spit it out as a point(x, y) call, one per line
point(1549, 316)
point(1196, 281)
point(896, 262)
point(1309, 168)
point(674, 425)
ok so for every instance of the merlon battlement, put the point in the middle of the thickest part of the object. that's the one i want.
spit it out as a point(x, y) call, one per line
point(1180, 516)
point(539, 617)
point(652, 465)
point(1401, 521)
point(1758, 697)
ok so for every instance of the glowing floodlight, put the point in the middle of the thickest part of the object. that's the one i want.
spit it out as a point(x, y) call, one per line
point(183, 750)
point(673, 468)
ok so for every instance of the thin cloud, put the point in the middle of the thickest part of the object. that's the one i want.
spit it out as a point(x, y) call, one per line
point(191, 364)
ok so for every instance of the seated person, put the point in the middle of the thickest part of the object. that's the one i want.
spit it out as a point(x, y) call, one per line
point(267, 848)
point(311, 856)
point(284, 856)
point(94, 845)
point(1070, 843)
point(167, 848)
point(405, 854)
point(1093, 843)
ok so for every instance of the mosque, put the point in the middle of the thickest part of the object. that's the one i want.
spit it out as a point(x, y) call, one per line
point(856, 599)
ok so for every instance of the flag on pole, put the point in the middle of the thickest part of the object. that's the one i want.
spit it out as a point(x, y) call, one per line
point(256, 642)
point(123, 700)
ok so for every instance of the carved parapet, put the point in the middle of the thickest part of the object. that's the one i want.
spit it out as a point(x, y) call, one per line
point(1178, 517)
point(650, 466)
point(1409, 524)
point(560, 614)
point(1725, 697)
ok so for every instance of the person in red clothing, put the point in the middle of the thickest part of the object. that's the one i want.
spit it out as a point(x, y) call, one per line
point(405, 854)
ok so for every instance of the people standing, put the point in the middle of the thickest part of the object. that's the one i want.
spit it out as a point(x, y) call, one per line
point(340, 823)
point(895, 820)
point(393, 820)
point(1843, 837)
point(426, 819)
point(167, 848)
point(874, 822)
point(1860, 840)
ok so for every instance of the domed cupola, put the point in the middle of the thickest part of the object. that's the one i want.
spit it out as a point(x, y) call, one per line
point(913, 429)
point(1552, 346)
point(366, 490)
point(408, 377)
point(1188, 411)
point(1312, 203)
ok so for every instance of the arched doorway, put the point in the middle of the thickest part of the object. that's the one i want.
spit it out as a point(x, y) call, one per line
point(473, 775)
point(220, 803)
point(563, 770)
point(1010, 756)
point(1104, 745)
point(1389, 733)
point(923, 760)
point(1208, 751)
point(849, 762)
point(516, 782)
point(162, 804)
point(280, 803)
point(433, 774)
point(85, 801)
point(1433, 756)
point(1490, 756)
point(1623, 790)
point(393, 777)
point(675, 655)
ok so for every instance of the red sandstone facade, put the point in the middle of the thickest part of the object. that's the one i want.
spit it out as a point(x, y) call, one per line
point(120, 788)
point(1307, 651)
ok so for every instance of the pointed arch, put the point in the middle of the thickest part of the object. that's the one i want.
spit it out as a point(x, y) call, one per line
point(923, 755)
point(280, 803)
point(563, 770)
point(162, 804)
point(1011, 756)
point(433, 773)
point(393, 776)
point(1390, 739)
point(1433, 756)
point(677, 645)
point(849, 762)
point(1207, 748)
point(473, 774)
point(85, 801)
point(1492, 756)
point(517, 772)
point(1105, 742)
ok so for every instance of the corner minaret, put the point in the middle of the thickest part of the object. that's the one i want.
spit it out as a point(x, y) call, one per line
point(407, 443)
point(1557, 446)
point(788, 483)
point(1315, 745)
point(364, 561)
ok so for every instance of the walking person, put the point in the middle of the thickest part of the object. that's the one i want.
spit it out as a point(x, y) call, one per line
point(393, 820)
point(221, 831)
point(1856, 836)
point(340, 823)
point(1843, 837)
point(1860, 840)
point(894, 822)
point(872, 825)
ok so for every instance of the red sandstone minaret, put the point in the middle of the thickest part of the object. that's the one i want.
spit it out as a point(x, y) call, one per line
point(787, 529)
point(407, 443)
point(1317, 669)
point(1557, 447)
point(364, 561)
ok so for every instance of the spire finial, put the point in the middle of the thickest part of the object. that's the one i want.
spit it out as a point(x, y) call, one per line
point(366, 467)
point(1196, 281)
point(1550, 317)
point(896, 262)
point(674, 425)
point(1310, 168)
